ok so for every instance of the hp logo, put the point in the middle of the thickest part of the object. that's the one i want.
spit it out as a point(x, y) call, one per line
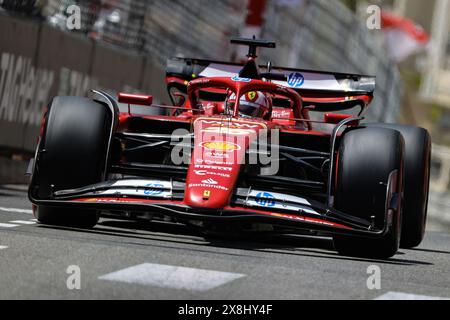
point(153, 189)
point(265, 199)
point(296, 80)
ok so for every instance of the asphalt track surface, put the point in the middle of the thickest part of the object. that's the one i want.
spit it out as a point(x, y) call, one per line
point(129, 260)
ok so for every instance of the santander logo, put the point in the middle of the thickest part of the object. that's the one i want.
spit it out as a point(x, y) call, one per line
point(210, 181)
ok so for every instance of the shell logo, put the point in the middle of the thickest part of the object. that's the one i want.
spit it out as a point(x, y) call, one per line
point(220, 146)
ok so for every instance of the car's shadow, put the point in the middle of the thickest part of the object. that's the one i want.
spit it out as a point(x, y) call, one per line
point(171, 233)
point(430, 250)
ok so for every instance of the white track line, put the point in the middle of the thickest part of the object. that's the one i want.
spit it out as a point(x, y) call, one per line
point(391, 295)
point(22, 222)
point(172, 277)
point(16, 187)
point(27, 211)
point(3, 247)
point(8, 225)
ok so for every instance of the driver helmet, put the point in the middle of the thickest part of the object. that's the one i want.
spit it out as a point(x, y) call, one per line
point(253, 104)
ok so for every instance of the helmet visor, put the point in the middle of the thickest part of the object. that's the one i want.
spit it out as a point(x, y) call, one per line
point(251, 110)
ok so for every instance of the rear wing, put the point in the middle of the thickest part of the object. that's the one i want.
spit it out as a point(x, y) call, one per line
point(327, 91)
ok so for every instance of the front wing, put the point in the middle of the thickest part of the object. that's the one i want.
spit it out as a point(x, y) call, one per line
point(148, 197)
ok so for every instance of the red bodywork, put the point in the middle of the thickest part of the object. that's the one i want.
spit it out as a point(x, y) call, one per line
point(221, 141)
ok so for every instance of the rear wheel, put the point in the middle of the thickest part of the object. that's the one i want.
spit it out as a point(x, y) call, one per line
point(72, 154)
point(369, 161)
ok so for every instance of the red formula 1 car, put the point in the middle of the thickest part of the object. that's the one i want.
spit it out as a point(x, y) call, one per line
point(241, 149)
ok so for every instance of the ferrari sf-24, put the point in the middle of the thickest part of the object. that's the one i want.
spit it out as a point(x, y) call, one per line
point(242, 148)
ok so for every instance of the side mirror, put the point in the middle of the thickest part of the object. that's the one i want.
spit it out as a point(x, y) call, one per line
point(335, 118)
point(137, 99)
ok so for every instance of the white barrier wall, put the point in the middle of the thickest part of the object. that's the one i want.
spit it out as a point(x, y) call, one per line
point(38, 62)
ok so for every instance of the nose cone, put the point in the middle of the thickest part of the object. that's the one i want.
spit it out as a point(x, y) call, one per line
point(219, 152)
point(207, 197)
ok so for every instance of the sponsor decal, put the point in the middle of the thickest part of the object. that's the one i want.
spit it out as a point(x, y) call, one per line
point(228, 130)
point(296, 80)
point(280, 201)
point(209, 162)
point(106, 200)
point(234, 128)
point(306, 219)
point(208, 167)
point(220, 146)
point(210, 181)
point(201, 172)
point(153, 189)
point(281, 114)
point(136, 191)
point(312, 80)
point(265, 199)
point(204, 185)
point(210, 173)
point(220, 155)
point(139, 188)
point(281, 197)
point(231, 125)
point(141, 183)
point(239, 79)
point(202, 80)
point(212, 161)
point(114, 200)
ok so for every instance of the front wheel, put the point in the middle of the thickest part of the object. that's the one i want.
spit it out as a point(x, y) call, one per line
point(417, 181)
point(72, 154)
point(370, 160)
